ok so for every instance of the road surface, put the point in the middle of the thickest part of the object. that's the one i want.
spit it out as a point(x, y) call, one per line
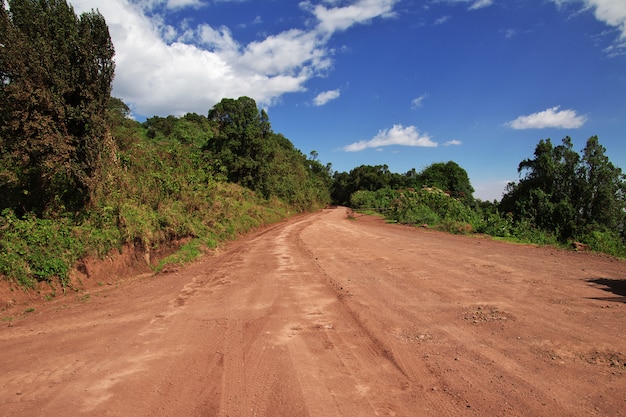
point(332, 315)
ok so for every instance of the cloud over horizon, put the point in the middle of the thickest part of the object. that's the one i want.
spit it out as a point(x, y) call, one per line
point(549, 118)
point(164, 70)
point(397, 135)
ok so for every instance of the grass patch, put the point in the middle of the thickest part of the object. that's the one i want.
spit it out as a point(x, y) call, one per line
point(187, 253)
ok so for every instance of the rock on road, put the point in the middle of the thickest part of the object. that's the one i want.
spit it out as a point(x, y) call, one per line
point(325, 315)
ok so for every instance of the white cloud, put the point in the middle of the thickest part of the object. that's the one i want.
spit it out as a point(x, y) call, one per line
point(479, 4)
point(476, 4)
point(397, 135)
point(325, 97)
point(442, 20)
point(174, 4)
point(453, 142)
point(549, 118)
point(335, 19)
point(163, 70)
point(285, 53)
point(611, 12)
point(418, 101)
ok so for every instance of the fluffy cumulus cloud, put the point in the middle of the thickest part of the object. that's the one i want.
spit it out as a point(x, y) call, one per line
point(397, 135)
point(549, 118)
point(325, 97)
point(163, 70)
point(333, 19)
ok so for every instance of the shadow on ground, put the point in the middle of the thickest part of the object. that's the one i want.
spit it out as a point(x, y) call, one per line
point(615, 286)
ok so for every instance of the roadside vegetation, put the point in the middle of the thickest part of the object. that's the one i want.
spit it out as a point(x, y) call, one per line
point(79, 177)
point(563, 198)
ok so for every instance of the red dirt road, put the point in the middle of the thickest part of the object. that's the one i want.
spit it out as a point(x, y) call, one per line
point(326, 316)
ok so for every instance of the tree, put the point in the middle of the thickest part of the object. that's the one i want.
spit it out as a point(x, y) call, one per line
point(566, 194)
point(252, 155)
point(449, 177)
point(603, 189)
point(241, 141)
point(56, 71)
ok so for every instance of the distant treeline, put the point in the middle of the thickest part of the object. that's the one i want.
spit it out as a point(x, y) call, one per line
point(563, 196)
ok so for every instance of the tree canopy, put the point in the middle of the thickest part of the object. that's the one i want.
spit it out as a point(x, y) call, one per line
point(569, 194)
point(448, 177)
point(56, 71)
point(252, 155)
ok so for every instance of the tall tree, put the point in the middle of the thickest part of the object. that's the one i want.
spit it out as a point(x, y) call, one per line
point(603, 191)
point(566, 194)
point(56, 71)
point(241, 142)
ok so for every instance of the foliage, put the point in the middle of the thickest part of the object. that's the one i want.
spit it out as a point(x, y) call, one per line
point(252, 155)
point(379, 200)
point(242, 141)
point(188, 252)
point(432, 206)
point(56, 71)
point(429, 206)
point(448, 176)
point(162, 187)
point(566, 194)
point(606, 242)
point(33, 249)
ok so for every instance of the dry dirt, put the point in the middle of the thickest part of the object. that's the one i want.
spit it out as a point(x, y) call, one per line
point(324, 315)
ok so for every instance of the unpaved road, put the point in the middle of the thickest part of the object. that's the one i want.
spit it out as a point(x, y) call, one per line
point(327, 316)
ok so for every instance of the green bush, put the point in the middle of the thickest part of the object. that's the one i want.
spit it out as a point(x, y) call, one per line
point(494, 224)
point(430, 206)
point(33, 249)
point(606, 242)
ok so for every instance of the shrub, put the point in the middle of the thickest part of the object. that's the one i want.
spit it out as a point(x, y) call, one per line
point(606, 242)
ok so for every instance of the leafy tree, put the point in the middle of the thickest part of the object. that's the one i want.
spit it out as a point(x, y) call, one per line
point(252, 155)
point(364, 177)
point(56, 71)
point(241, 141)
point(340, 190)
point(192, 128)
point(566, 194)
point(603, 189)
point(549, 193)
point(449, 177)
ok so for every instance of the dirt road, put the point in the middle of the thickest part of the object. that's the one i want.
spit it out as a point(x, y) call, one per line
point(329, 316)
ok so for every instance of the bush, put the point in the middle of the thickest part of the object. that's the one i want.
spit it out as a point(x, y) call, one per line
point(606, 242)
point(430, 206)
point(494, 224)
point(33, 249)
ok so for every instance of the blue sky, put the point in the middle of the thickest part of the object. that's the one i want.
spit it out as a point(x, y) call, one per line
point(404, 83)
